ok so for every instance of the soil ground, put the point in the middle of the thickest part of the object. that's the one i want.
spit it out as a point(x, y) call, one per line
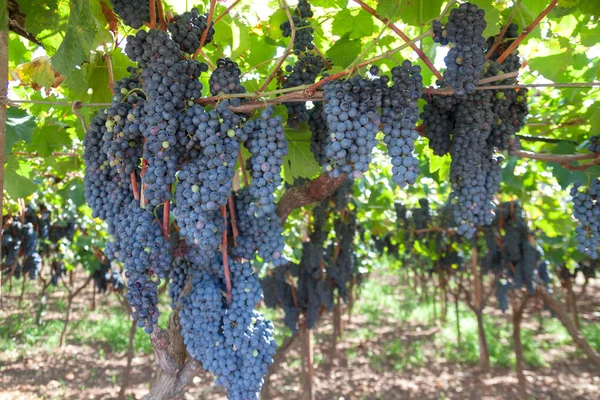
point(372, 361)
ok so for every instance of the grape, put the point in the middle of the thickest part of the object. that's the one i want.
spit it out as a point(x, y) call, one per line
point(268, 145)
point(400, 112)
point(502, 288)
point(106, 192)
point(594, 146)
point(257, 234)
point(140, 245)
point(439, 122)
point(187, 29)
point(226, 78)
point(304, 72)
point(234, 342)
point(351, 111)
point(30, 240)
point(133, 12)
point(180, 270)
point(465, 61)
point(58, 271)
point(320, 135)
point(586, 210)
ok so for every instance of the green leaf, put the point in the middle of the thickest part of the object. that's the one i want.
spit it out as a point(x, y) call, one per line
point(358, 25)
point(75, 192)
point(553, 67)
point(15, 184)
point(344, 51)
point(17, 51)
point(241, 41)
point(50, 138)
point(19, 126)
point(41, 15)
point(419, 12)
point(79, 38)
point(299, 162)
point(277, 18)
point(388, 8)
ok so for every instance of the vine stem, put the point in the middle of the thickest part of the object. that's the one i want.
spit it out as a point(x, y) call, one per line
point(225, 258)
point(526, 31)
point(109, 66)
point(211, 11)
point(288, 49)
point(348, 71)
point(233, 219)
point(500, 36)
point(227, 10)
point(166, 214)
point(161, 16)
point(557, 158)
point(244, 173)
point(403, 36)
point(134, 186)
point(152, 14)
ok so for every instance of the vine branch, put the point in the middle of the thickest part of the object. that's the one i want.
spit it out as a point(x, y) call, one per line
point(403, 36)
point(288, 49)
point(526, 31)
point(227, 10)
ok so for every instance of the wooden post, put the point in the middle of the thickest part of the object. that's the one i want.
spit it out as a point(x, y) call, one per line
point(307, 363)
point(518, 310)
point(337, 321)
point(484, 355)
point(3, 92)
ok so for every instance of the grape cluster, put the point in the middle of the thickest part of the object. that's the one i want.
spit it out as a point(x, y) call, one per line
point(303, 39)
point(465, 61)
point(594, 146)
point(58, 271)
point(319, 133)
point(178, 276)
point(586, 210)
point(352, 113)
point(106, 191)
point(438, 118)
point(303, 72)
point(226, 78)
point(133, 12)
point(104, 276)
point(233, 341)
point(139, 244)
point(474, 171)
point(268, 145)
point(187, 29)
point(257, 234)
point(399, 114)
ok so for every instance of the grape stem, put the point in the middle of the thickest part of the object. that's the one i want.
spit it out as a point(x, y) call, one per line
point(233, 219)
point(211, 11)
point(526, 31)
point(134, 186)
point(243, 168)
point(161, 16)
point(111, 75)
point(500, 36)
point(152, 14)
point(166, 213)
point(225, 258)
point(288, 49)
point(404, 37)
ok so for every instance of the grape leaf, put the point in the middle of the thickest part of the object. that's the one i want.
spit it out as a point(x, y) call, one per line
point(553, 67)
point(38, 72)
point(344, 51)
point(299, 162)
point(19, 126)
point(357, 25)
point(241, 41)
point(49, 138)
point(15, 184)
point(79, 38)
point(41, 15)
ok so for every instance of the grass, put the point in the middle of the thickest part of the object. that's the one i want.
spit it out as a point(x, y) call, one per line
point(20, 332)
point(380, 299)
